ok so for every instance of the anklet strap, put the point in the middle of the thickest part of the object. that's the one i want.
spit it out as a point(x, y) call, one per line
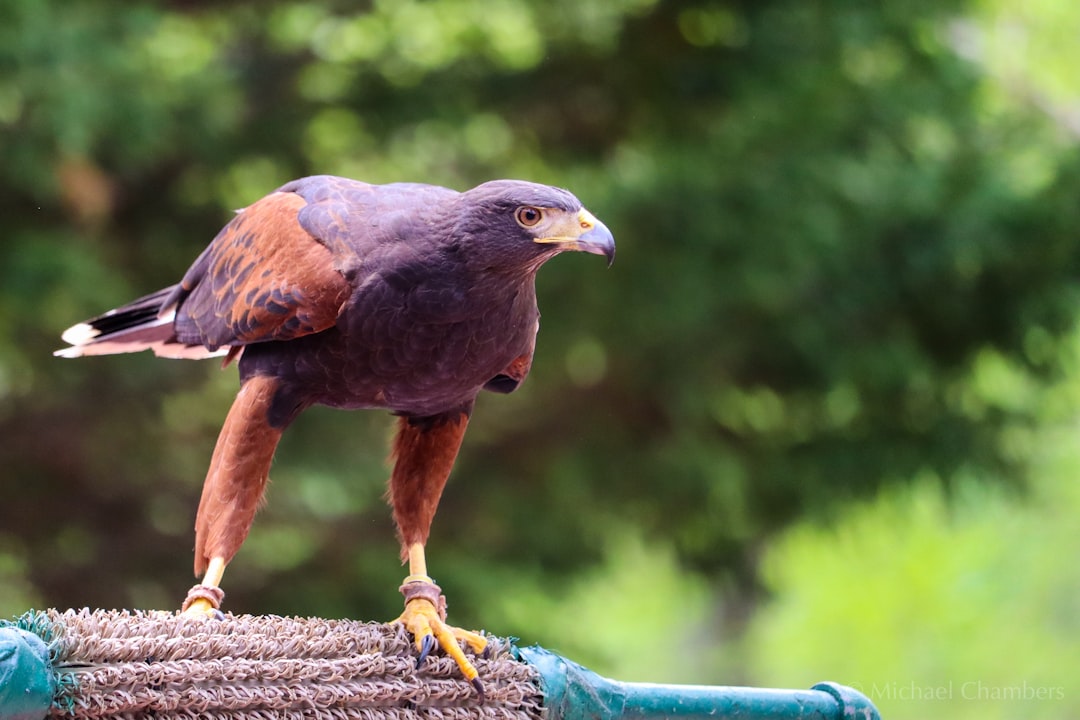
point(210, 593)
point(415, 588)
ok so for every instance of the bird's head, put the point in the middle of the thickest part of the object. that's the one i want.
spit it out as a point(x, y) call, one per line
point(526, 223)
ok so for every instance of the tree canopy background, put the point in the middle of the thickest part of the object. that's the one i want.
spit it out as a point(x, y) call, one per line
point(817, 421)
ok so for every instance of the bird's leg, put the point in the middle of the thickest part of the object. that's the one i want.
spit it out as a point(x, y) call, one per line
point(417, 565)
point(424, 452)
point(233, 489)
point(205, 598)
point(418, 586)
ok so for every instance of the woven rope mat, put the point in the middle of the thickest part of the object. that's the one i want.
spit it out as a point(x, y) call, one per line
point(136, 665)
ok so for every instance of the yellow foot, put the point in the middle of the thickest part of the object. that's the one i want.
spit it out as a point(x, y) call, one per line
point(425, 618)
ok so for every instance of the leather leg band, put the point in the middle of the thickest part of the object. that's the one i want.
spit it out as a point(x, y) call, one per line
point(210, 593)
point(425, 590)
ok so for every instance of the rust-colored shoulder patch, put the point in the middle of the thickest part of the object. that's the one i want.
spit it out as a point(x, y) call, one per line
point(263, 278)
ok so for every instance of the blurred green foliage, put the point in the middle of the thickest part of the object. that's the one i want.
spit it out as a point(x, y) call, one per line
point(848, 254)
point(962, 607)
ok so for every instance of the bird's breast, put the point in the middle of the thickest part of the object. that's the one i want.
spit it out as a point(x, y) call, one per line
point(417, 349)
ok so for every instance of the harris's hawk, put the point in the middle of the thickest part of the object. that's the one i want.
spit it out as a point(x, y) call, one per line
point(406, 297)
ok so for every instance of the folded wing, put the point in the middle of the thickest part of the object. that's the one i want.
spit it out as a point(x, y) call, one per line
point(263, 278)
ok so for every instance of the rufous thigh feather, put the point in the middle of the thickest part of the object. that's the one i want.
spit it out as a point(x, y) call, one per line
point(423, 455)
point(239, 470)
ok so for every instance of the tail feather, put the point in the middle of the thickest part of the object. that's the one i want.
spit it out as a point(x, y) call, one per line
point(142, 324)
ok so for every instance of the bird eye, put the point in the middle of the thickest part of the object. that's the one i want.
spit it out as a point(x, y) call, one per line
point(528, 216)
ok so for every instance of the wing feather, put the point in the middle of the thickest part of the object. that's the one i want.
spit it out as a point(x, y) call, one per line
point(263, 278)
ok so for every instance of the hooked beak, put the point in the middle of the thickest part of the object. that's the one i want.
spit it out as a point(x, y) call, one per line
point(587, 235)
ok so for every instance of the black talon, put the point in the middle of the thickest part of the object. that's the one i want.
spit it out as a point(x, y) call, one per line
point(426, 646)
point(479, 687)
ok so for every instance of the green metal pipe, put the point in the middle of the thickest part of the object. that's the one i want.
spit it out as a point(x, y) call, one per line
point(572, 692)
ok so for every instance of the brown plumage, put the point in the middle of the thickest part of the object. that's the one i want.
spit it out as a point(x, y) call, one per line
point(239, 471)
point(423, 454)
point(405, 297)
